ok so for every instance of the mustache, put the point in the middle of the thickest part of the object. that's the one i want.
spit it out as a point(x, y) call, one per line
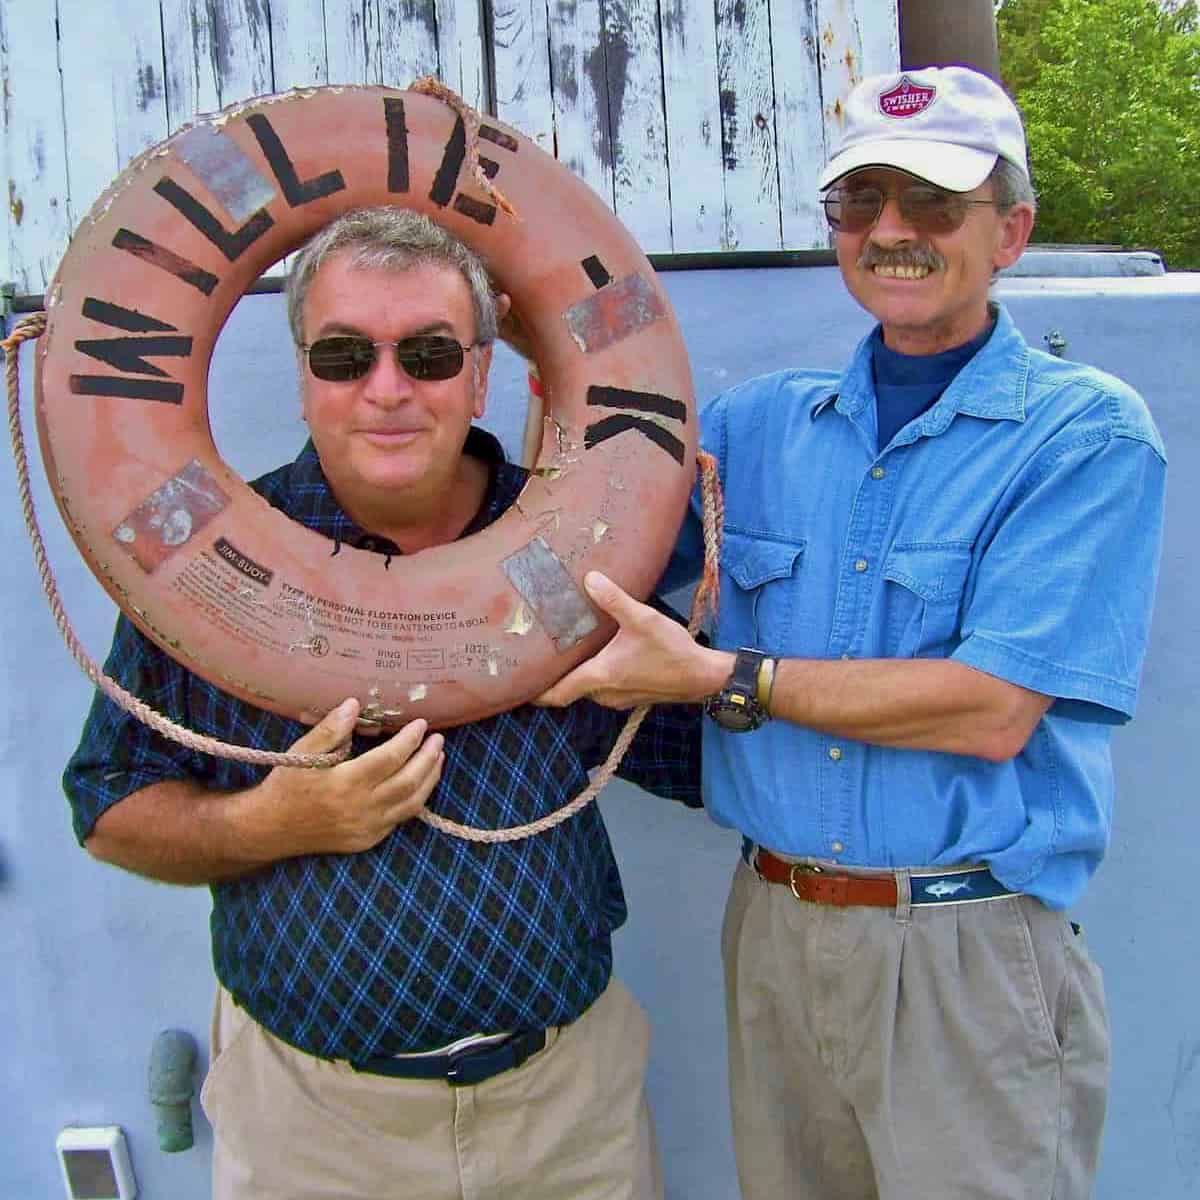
point(917, 255)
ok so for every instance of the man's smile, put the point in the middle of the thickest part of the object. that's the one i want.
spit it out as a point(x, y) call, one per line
point(898, 271)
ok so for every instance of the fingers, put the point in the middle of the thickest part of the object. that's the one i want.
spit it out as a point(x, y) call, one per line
point(559, 696)
point(412, 786)
point(331, 731)
point(403, 777)
point(366, 726)
point(595, 678)
point(385, 760)
point(381, 762)
point(609, 598)
point(571, 687)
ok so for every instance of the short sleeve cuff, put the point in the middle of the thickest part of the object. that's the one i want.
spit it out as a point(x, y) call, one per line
point(1051, 679)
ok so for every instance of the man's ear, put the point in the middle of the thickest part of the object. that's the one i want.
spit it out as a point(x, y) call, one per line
point(481, 365)
point(1016, 226)
point(302, 368)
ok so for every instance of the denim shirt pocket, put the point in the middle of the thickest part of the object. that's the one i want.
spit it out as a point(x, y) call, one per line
point(924, 611)
point(757, 610)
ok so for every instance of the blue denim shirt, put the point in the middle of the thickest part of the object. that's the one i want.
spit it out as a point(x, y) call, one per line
point(1015, 527)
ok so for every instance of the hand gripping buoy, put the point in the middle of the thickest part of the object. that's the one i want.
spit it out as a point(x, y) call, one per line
point(232, 588)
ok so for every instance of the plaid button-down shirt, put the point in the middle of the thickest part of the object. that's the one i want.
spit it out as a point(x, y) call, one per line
point(424, 938)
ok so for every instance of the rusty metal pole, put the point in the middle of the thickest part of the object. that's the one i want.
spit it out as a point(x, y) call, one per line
point(936, 34)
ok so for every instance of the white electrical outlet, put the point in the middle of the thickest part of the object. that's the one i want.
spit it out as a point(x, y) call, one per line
point(95, 1163)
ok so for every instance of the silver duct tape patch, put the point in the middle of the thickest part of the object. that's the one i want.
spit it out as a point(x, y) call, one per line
point(170, 516)
point(226, 171)
point(547, 587)
point(613, 313)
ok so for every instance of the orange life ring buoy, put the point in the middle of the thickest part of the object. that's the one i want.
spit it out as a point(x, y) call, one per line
point(231, 587)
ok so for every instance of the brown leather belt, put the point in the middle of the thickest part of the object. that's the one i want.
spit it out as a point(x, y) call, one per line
point(819, 886)
point(928, 887)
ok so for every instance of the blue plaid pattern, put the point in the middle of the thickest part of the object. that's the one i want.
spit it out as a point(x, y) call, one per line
point(424, 938)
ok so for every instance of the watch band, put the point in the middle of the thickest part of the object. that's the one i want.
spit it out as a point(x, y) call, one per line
point(766, 683)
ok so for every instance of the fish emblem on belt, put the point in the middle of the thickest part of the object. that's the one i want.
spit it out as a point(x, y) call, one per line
point(944, 887)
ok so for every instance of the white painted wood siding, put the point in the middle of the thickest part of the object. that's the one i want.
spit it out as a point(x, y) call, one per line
point(689, 49)
point(37, 217)
point(702, 125)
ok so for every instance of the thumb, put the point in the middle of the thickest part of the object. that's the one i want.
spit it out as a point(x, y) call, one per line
point(609, 598)
point(331, 731)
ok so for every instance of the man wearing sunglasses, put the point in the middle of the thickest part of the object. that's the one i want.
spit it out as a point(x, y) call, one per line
point(400, 1013)
point(937, 577)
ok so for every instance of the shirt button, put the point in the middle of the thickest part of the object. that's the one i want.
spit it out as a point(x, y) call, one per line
point(877, 472)
point(860, 565)
point(835, 752)
point(837, 847)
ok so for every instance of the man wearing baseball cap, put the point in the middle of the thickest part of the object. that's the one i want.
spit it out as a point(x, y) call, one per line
point(936, 582)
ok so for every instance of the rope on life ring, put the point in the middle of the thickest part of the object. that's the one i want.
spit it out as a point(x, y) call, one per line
point(620, 344)
point(231, 587)
point(704, 602)
point(32, 327)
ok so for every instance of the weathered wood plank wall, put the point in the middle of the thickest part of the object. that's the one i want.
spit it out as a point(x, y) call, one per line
point(702, 124)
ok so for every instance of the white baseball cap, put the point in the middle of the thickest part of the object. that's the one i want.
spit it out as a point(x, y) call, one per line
point(946, 125)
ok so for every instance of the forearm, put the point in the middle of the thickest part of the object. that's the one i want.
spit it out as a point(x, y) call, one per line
point(915, 704)
point(180, 832)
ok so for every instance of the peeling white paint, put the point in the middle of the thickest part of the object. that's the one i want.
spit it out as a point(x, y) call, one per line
point(176, 527)
point(376, 714)
point(743, 93)
point(520, 623)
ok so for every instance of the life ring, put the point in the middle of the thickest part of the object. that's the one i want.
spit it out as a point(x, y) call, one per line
point(231, 587)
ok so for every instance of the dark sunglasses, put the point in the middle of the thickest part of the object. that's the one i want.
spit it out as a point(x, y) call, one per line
point(927, 209)
point(344, 357)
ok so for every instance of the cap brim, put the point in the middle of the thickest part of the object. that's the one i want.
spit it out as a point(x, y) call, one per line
point(955, 168)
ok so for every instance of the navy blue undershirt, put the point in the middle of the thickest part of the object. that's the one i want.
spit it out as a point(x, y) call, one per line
point(907, 384)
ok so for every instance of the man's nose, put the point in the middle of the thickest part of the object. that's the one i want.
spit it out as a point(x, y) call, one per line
point(891, 226)
point(387, 383)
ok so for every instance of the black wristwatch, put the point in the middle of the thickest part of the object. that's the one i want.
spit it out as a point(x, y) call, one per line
point(738, 706)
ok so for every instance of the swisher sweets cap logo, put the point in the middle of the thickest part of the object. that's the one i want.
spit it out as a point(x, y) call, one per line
point(906, 99)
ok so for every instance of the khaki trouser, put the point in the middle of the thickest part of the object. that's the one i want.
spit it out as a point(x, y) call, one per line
point(571, 1122)
point(923, 1053)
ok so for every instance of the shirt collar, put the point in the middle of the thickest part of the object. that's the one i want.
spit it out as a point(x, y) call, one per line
point(992, 385)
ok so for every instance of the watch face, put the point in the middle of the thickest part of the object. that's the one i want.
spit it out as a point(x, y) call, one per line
point(734, 712)
point(735, 707)
point(736, 720)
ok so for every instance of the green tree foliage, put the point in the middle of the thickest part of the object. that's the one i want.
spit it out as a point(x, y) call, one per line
point(1110, 90)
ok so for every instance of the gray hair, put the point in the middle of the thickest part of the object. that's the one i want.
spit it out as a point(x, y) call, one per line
point(390, 239)
point(1011, 186)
